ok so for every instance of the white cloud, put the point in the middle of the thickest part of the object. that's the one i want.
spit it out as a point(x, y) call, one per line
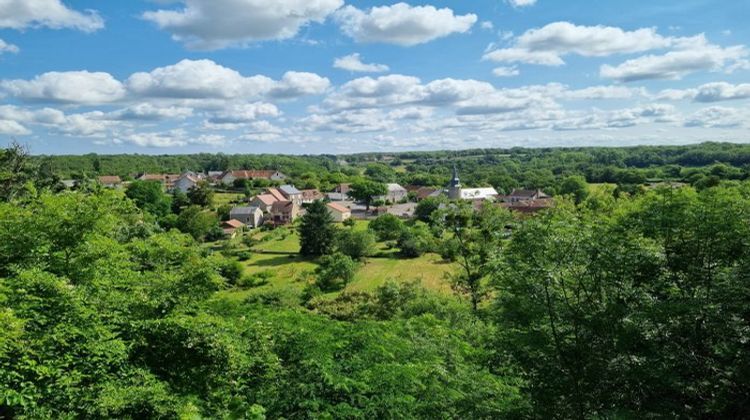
point(675, 64)
point(402, 24)
point(353, 62)
point(294, 84)
point(244, 113)
point(487, 25)
point(547, 45)
point(204, 79)
point(149, 112)
point(522, 55)
point(22, 14)
point(521, 3)
point(5, 47)
point(506, 71)
point(215, 24)
point(76, 87)
point(171, 138)
point(13, 128)
point(717, 117)
point(709, 92)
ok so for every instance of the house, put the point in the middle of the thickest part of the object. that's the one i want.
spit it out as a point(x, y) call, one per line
point(276, 194)
point(229, 177)
point(69, 183)
point(338, 212)
point(308, 196)
point(167, 180)
point(395, 193)
point(263, 202)
point(110, 181)
point(231, 227)
point(529, 206)
point(251, 216)
point(291, 193)
point(524, 195)
point(478, 193)
point(426, 192)
point(284, 212)
point(185, 182)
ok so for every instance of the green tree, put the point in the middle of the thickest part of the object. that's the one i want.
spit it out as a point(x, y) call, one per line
point(356, 244)
point(387, 227)
point(16, 171)
point(335, 272)
point(201, 195)
point(149, 196)
point(197, 223)
point(576, 187)
point(366, 190)
point(426, 208)
point(317, 232)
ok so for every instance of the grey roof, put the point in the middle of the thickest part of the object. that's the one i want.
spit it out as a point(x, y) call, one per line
point(243, 210)
point(395, 187)
point(289, 190)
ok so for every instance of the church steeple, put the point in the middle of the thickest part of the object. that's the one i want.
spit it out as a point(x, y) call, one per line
point(455, 181)
point(454, 188)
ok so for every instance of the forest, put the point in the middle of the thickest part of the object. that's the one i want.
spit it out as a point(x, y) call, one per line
point(630, 298)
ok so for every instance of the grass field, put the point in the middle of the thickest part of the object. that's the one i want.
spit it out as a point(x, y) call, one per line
point(289, 272)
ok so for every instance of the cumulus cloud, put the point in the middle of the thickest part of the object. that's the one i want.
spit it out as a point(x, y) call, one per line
point(22, 14)
point(506, 71)
point(717, 117)
point(521, 3)
point(75, 87)
point(13, 128)
point(149, 112)
point(675, 64)
point(204, 79)
point(547, 45)
point(402, 24)
point(353, 62)
point(709, 92)
point(243, 113)
point(215, 24)
point(5, 47)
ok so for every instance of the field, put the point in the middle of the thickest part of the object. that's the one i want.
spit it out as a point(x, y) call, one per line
point(275, 254)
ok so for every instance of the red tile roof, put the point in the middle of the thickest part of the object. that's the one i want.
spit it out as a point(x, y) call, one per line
point(276, 194)
point(250, 174)
point(337, 207)
point(266, 199)
point(234, 223)
point(110, 179)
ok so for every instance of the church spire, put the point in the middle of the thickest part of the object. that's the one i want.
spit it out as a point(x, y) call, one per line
point(455, 181)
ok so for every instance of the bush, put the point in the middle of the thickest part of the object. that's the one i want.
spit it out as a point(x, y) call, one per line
point(244, 255)
point(231, 270)
point(335, 272)
point(356, 244)
point(387, 227)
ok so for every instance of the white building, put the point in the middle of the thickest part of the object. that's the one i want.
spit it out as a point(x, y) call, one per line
point(395, 193)
point(338, 212)
point(251, 216)
point(186, 182)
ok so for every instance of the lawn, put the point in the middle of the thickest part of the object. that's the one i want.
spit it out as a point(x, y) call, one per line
point(289, 272)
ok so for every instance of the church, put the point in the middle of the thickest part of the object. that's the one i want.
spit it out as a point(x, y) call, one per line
point(457, 192)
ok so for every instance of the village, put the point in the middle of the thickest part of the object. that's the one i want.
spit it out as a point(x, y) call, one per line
point(281, 203)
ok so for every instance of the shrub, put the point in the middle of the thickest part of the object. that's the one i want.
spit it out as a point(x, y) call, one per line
point(387, 227)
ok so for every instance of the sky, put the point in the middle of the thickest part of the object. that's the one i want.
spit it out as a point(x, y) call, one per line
point(345, 76)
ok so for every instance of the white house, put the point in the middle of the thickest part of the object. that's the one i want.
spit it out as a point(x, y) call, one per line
point(186, 182)
point(291, 193)
point(251, 216)
point(263, 202)
point(339, 212)
point(229, 177)
point(395, 193)
point(478, 193)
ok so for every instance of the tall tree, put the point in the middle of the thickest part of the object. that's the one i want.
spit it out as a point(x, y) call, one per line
point(317, 233)
point(149, 196)
point(201, 194)
point(16, 170)
point(366, 190)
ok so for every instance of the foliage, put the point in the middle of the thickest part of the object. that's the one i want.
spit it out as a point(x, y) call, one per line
point(149, 196)
point(201, 194)
point(387, 227)
point(334, 272)
point(317, 232)
point(198, 223)
point(356, 244)
point(366, 190)
point(575, 186)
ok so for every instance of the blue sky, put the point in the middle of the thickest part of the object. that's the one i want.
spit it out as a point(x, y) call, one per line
point(337, 76)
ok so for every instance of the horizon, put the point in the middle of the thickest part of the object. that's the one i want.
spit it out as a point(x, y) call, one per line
point(342, 77)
